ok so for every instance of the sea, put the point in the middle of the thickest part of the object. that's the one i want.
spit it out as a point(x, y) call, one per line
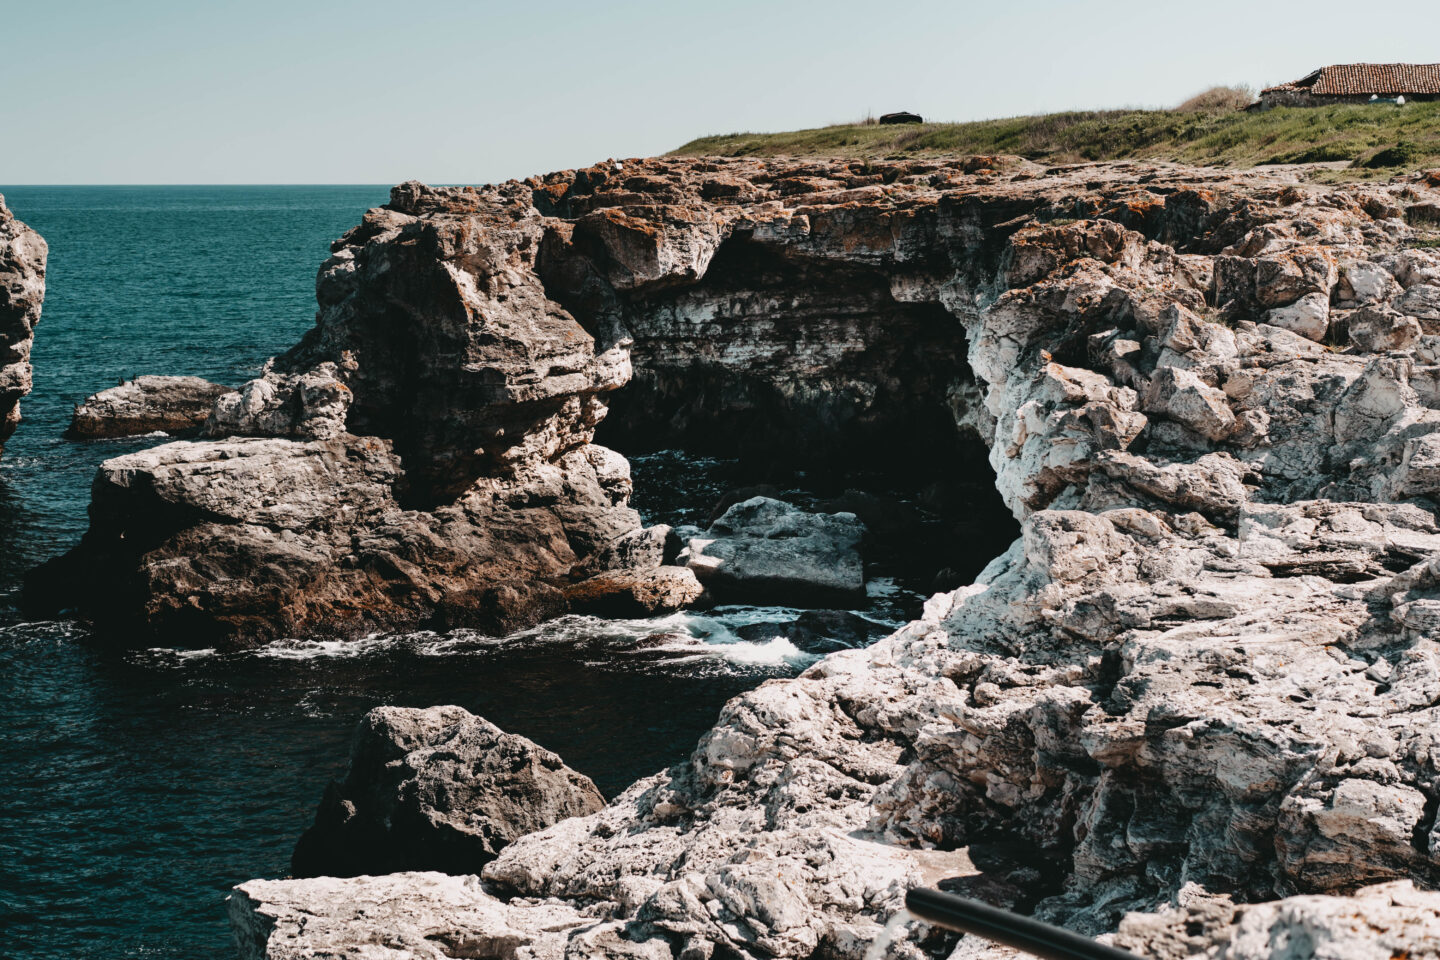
point(138, 785)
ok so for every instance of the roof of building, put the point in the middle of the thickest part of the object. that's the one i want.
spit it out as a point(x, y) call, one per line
point(1363, 79)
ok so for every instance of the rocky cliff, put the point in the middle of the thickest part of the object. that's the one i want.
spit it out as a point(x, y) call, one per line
point(22, 291)
point(421, 458)
point(1208, 666)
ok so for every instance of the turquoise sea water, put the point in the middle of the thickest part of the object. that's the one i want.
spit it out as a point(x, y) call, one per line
point(137, 786)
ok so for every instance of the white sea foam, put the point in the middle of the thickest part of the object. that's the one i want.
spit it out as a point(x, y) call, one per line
point(676, 638)
point(775, 652)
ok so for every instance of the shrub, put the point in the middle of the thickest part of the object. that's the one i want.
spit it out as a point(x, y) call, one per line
point(1219, 100)
point(1322, 153)
point(1402, 154)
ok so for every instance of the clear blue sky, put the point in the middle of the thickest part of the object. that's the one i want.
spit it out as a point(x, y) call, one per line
point(312, 91)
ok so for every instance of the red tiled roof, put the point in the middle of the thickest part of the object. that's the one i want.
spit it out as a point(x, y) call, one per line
point(1362, 79)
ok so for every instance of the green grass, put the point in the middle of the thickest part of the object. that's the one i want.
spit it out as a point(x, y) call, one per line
point(1379, 141)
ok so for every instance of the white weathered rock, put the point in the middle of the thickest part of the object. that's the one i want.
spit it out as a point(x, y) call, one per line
point(1309, 316)
point(1184, 398)
point(1421, 300)
point(1381, 922)
point(1364, 282)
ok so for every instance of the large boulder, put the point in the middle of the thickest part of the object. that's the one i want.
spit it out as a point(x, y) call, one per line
point(22, 292)
point(175, 405)
point(436, 789)
point(764, 550)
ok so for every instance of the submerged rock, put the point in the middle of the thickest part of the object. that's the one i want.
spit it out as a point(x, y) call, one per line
point(22, 293)
point(436, 789)
point(768, 551)
point(818, 631)
point(175, 405)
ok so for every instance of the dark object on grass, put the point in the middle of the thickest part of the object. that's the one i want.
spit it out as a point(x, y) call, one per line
point(1010, 929)
point(901, 117)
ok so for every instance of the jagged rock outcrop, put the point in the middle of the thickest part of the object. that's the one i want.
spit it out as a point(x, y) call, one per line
point(763, 550)
point(421, 458)
point(175, 405)
point(22, 293)
point(436, 789)
point(1381, 922)
point(1210, 658)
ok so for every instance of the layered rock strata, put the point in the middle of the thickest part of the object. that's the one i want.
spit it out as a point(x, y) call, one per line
point(173, 405)
point(1209, 662)
point(436, 789)
point(22, 293)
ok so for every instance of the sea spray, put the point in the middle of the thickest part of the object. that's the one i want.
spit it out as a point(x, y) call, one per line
point(895, 930)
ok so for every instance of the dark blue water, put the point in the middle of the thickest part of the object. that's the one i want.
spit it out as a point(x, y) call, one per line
point(137, 787)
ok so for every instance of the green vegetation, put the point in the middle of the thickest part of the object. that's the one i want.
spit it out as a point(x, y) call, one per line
point(1375, 141)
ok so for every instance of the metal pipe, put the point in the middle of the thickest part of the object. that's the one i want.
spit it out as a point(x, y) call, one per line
point(1002, 926)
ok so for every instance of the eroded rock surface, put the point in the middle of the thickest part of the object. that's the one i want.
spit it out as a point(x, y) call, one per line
point(1208, 662)
point(173, 405)
point(436, 789)
point(22, 293)
point(1381, 922)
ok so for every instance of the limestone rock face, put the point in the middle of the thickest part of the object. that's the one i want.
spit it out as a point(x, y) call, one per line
point(173, 405)
point(22, 292)
point(766, 550)
point(436, 789)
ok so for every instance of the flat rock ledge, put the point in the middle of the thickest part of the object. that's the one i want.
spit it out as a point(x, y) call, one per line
point(178, 406)
point(22, 293)
point(436, 789)
point(433, 915)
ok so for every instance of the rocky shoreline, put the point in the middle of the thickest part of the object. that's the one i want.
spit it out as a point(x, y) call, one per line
point(1204, 675)
point(1195, 705)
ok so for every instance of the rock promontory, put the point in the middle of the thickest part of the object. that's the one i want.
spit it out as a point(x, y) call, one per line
point(22, 293)
point(422, 458)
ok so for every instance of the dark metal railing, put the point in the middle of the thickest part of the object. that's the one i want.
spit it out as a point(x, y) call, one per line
point(1002, 926)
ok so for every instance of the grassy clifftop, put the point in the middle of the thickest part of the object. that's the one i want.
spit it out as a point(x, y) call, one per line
point(1376, 140)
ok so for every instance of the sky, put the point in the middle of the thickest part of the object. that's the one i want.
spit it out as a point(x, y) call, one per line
point(313, 91)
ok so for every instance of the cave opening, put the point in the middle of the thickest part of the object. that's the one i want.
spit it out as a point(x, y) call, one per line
point(807, 380)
